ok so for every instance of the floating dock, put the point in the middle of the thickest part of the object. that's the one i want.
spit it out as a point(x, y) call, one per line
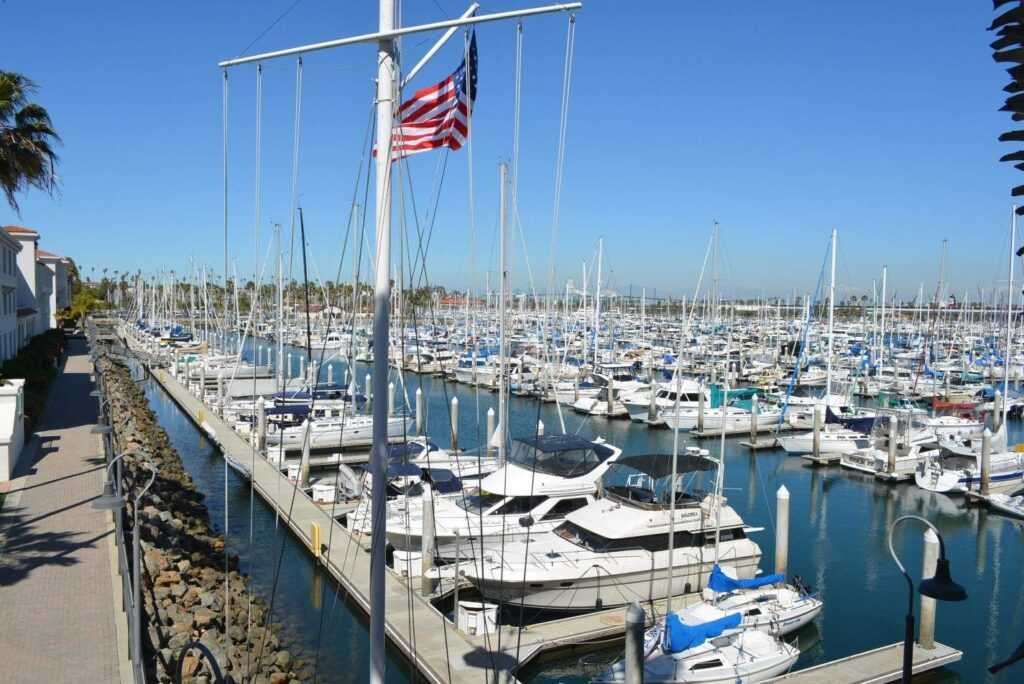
point(879, 665)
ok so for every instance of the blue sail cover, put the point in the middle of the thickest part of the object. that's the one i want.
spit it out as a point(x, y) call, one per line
point(723, 584)
point(680, 636)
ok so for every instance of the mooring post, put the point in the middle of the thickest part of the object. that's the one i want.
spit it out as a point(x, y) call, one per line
point(302, 369)
point(330, 373)
point(307, 436)
point(490, 429)
point(636, 620)
point(782, 530)
point(188, 374)
point(455, 589)
point(611, 397)
point(369, 393)
point(261, 424)
point(202, 385)
point(220, 393)
point(700, 411)
point(816, 448)
point(892, 445)
point(288, 368)
point(652, 406)
point(753, 420)
point(391, 399)
point(986, 460)
point(455, 424)
point(997, 411)
point(926, 635)
point(427, 540)
point(575, 388)
point(540, 428)
point(419, 411)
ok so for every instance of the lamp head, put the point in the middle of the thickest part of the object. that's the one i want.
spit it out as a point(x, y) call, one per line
point(941, 586)
point(108, 501)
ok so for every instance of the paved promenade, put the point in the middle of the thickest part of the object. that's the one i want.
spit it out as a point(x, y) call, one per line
point(57, 604)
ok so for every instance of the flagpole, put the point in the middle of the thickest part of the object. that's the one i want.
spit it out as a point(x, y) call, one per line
point(382, 295)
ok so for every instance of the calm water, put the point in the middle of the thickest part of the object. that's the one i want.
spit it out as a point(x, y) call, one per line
point(838, 524)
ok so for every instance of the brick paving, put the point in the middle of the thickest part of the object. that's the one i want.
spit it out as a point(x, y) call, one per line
point(56, 602)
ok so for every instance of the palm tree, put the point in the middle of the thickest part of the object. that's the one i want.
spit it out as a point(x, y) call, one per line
point(27, 139)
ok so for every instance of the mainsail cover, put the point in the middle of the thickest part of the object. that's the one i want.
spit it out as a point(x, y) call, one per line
point(723, 584)
point(680, 636)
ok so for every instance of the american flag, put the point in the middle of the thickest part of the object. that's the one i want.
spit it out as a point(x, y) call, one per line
point(437, 116)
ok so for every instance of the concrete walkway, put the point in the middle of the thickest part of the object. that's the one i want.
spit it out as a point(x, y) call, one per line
point(58, 621)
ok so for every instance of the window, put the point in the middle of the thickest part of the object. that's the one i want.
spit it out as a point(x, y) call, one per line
point(520, 505)
point(564, 508)
point(706, 664)
point(477, 501)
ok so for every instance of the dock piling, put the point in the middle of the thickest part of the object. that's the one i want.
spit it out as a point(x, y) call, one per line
point(986, 459)
point(926, 635)
point(330, 373)
point(490, 428)
point(427, 540)
point(304, 464)
point(636, 620)
point(419, 411)
point(455, 424)
point(781, 530)
point(261, 424)
point(391, 399)
point(892, 446)
point(997, 411)
point(753, 419)
point(369, 393)
point(816, 449)
point(700, 410)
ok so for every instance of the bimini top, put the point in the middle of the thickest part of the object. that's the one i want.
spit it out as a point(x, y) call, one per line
point(562, 455)
point(680, 636)
point(724, 584)
point(404, 450)
point(657, 466)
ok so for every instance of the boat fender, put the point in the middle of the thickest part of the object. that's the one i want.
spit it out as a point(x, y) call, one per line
point(526, 521)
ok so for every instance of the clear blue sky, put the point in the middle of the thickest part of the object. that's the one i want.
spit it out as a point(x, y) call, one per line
point(780, 120)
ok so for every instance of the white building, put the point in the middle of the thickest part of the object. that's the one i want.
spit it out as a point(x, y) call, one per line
point(27, 310)
point(57, 275)
point(9, 249)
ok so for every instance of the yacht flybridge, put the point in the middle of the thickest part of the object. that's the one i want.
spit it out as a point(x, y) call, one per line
point(544, 478)
point(617, 548)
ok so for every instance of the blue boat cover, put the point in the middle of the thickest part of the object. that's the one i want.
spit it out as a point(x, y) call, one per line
point(680, 636)
point(723, 584)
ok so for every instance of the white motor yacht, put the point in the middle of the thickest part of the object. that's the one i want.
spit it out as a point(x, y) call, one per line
point(544, 478)
point(616, 549)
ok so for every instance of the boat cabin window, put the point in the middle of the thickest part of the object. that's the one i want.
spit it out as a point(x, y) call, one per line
point(728, 534)
point(477, 502)
point(592, 541)
point(566, 463)
point(518, 505)
point(706, 664)
point(564, 508)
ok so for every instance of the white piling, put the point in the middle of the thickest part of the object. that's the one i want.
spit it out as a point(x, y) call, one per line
point(816, 449)
point(427, 540)
point(419, 411)
point(700, 410)
point(391, 399)
point(540, 428)
point(781, 530)
point(753, 420)
point(330, 373)
point(369, 393)
point(986, 460)
point(636, 621)
point(997, 411)
point(926, 635)
point(261, 423)
point(892, 445)
point(455, 424)
point(288, 368)
point(304, 464)
point(490, 428)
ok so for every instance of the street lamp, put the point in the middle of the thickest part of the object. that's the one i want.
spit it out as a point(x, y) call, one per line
point(940, 587)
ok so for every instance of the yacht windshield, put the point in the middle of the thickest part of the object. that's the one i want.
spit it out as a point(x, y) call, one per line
point(564, 457)
point(475, 501)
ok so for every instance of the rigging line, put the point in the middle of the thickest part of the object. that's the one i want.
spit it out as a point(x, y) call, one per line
point(227, 505)
point(270, 27)
point(256, 232)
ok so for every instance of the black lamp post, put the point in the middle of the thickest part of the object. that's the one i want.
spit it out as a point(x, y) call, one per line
point(940, 587)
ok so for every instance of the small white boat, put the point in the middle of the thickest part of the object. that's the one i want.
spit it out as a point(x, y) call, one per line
point(834, 440)
point(718, 652)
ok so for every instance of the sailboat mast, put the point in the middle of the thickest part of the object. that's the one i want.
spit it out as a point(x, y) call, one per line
point(382, 294)
point(831, 314)
point(502, 290)
point(881, 336)
point(1009, 315)
point(597, 301)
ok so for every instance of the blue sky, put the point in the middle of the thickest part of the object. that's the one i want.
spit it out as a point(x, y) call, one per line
point(779, 120)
